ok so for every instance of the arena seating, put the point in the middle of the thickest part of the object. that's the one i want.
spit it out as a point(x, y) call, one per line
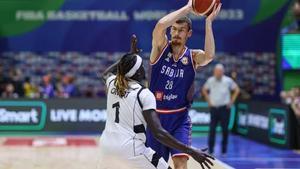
point(248, 69)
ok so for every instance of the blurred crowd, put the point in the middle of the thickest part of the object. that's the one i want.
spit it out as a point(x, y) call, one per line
point(14, 85)
point(74, 74)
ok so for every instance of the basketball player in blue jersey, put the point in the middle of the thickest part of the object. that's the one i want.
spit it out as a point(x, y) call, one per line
point(131, 109)
point(172, 77)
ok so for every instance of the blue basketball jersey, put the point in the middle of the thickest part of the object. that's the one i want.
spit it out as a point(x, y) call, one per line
point(172, 81)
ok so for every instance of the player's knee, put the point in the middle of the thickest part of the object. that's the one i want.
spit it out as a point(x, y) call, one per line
point(180, 162)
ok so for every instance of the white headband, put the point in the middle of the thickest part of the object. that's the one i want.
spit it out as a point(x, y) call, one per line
point(136, 66)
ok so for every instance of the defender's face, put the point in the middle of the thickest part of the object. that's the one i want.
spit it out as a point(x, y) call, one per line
point(180, 33)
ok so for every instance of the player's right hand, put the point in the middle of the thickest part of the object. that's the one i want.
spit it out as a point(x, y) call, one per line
point(215, 12)
point(203, 158)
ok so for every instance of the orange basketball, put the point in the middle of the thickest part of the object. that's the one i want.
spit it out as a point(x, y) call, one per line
point(204, 7)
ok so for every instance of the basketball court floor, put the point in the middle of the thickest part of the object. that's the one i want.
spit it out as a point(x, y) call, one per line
point(75, 152)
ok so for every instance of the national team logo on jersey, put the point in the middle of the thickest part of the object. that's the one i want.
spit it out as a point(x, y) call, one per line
point(185, 60)
point(167, 59)
point(159, 96)
point(169, 56)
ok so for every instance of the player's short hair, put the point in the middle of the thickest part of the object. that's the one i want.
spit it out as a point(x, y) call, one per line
point(186, 20)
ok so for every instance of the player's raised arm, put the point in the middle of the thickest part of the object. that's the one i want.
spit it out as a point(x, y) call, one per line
point(159, 37)
point(112, 70)
point(203, 58)
point(133, 45)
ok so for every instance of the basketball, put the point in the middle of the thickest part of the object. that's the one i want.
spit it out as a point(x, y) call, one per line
point(204, 7)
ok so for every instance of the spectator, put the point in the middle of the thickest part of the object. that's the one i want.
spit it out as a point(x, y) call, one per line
point(9, 92)
point(296, 107)
point(15, 78)
point(89, 92)
point(47, 88)
point(246, 90)
point(289, 96)
point(292, 97)
point(69, 88)
point(295, 26)
point(3, 80)
point(234, 75)
point(30, 90)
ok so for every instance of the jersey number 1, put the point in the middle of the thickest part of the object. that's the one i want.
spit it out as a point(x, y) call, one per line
point(117, 106)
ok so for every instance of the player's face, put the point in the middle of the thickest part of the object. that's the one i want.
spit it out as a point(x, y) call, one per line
point(180, 33)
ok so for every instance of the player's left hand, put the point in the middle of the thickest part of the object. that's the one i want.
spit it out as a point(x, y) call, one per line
point(215, 12)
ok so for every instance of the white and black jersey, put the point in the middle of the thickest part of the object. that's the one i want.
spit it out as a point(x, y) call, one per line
point(124, 134)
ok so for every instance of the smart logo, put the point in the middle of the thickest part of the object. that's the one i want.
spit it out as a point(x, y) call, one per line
point(22, 115)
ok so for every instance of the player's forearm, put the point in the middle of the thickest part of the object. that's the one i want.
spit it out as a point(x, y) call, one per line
point(171, 18)
point(209, 46)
